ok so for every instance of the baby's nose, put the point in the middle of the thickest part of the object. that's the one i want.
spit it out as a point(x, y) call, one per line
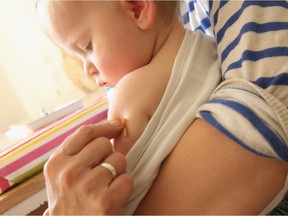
point(89, 68)
point(99, 81)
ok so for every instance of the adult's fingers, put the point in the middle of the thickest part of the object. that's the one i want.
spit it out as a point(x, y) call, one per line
point(85, 134)
point(94, 152)
point(121, 188)
point(102, 174)
point(116, 160)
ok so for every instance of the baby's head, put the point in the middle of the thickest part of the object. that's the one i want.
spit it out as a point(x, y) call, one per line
point(112, 38)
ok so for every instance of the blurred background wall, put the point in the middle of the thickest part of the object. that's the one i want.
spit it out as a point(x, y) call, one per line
point(33, 71)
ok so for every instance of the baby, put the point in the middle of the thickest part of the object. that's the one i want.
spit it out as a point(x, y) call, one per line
point(160, 73)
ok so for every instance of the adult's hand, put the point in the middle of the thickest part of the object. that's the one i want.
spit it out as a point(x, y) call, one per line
point(77, 184)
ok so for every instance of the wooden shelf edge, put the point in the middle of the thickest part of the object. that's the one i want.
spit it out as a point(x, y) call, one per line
point(21, 192)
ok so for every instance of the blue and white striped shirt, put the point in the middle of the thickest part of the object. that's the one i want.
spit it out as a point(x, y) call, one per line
point(250, 105)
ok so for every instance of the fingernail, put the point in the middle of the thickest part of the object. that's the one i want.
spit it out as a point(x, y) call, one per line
point(116, 123)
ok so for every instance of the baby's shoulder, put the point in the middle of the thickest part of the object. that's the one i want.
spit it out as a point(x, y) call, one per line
point(136, 92)
point(131, 91)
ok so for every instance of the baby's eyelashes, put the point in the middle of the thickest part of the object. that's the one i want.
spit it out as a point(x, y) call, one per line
point(88, 48)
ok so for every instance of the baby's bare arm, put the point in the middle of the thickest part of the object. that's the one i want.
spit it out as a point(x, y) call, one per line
point(130, 103)
point(213, 175)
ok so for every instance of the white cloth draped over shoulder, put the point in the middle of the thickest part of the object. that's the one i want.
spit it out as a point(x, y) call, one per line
point(194, 77)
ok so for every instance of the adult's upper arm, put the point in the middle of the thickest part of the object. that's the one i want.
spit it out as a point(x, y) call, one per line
point(207, 173)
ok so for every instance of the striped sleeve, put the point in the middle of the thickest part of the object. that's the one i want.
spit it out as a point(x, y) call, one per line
point(250, 105)
point(195, 16)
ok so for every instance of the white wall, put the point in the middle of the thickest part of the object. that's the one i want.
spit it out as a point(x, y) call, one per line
point(10, 103)
point(32, 73)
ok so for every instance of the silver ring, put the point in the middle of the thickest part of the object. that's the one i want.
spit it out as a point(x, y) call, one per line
point(110, 168)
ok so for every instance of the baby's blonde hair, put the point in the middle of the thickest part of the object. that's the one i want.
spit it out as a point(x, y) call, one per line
point(168, 10)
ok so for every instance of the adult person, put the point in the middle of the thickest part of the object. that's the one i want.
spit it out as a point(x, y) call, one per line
point(204, 150)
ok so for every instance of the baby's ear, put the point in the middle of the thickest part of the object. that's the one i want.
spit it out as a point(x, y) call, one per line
point(142, 11)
